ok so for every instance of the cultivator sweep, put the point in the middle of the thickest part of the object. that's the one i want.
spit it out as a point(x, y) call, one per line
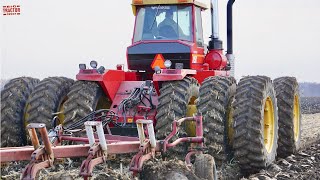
point(97, 146)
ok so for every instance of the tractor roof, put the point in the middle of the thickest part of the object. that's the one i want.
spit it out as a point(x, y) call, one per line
point(157, 2)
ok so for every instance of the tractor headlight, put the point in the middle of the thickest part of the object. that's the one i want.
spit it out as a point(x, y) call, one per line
point(101, 70)
point(82, 66)
point(167, 64)
point(94, 64)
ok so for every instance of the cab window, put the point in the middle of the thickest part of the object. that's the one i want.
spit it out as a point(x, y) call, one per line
point(198, 27)
point(164, 22)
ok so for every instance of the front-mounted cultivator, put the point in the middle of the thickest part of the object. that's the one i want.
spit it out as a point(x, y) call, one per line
point(98, 146)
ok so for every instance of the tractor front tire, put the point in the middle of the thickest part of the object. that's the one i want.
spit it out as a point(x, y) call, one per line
point(215, 98)
point(287, 90)
point(255, 123)
point(13, 101)
point(175, 96)
point(204, 167)
point(46, 101)
point(83, 98)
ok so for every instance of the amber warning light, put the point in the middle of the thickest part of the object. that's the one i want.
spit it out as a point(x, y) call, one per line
point(10, 10)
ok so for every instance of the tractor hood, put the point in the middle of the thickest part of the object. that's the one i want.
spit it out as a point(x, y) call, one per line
point(140, 56)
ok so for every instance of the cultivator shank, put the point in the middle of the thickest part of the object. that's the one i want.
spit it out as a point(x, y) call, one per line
point(43, 156)
point(100, 146)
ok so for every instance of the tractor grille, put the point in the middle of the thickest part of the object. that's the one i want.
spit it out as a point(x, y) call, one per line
point(141, 56)
point(144, 61)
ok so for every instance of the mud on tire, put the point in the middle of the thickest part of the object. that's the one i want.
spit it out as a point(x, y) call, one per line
point(173, 101)
point(255, 123)
point(83, 98)
point(47, 99)
point(288, 99)
point(13, 100)
point(215, 98)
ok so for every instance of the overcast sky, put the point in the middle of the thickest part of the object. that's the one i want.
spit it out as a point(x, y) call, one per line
point(271, 37)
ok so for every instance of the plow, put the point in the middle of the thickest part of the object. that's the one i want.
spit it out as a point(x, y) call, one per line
point(177, 91)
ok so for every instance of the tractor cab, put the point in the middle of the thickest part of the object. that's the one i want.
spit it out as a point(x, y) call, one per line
point(172, 30)
point(164, 22)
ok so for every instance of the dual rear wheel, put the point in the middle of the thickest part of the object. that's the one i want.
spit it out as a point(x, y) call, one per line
point(245, 122)
point(27, 100)
point(267, 121)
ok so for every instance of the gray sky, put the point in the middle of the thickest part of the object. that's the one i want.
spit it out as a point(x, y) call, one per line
point(271, 37)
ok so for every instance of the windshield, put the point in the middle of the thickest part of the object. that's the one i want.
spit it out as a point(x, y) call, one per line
point(163, 22)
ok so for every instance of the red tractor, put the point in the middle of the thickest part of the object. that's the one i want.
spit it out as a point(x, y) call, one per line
point(171, 74)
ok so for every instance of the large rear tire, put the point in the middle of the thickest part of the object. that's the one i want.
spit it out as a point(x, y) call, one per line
point(46, 101)
point(175, 96)
point(13, 100)
point(83, 98)
point(287, 90)
point(215, 97)
point(255, 123)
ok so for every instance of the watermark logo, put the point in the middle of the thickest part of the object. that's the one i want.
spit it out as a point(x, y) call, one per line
point(11, 10)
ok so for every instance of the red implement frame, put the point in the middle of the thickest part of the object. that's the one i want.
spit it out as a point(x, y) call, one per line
point(43, 156)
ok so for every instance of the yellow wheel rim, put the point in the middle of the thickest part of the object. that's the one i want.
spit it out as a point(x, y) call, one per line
point(60, 114)
point(296, 118)
point(26, 115)
point(268, 125)
point(230, 125)
point(190, 126)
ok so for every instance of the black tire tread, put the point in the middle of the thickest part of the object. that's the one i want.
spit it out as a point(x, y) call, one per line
point(82, 99)
point(286, 88)
point(215, 96)
point(46, 98)
point(173, 101)
point(13, 100)
point(248, 145)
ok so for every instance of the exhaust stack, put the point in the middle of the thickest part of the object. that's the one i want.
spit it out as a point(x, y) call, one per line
point(215, 19)
point(230, 55)
point(215, 43)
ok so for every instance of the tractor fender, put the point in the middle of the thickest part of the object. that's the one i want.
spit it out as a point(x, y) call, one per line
point(173, 74)
point(109, 81)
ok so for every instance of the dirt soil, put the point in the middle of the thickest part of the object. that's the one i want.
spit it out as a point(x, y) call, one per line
point(303, 165)
point(306, 163)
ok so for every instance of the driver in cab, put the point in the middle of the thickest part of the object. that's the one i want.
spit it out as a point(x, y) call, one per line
point(169, 28)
